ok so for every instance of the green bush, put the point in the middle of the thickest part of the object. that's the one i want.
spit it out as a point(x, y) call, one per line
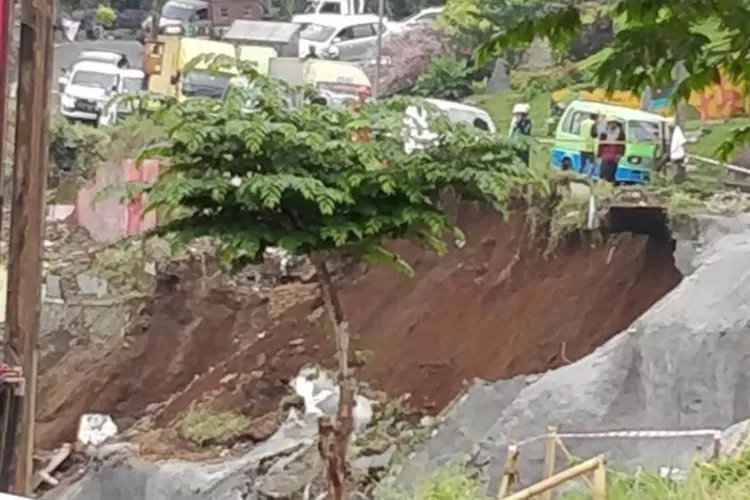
point(76, 149)
point(105, 15)
point(445, 78)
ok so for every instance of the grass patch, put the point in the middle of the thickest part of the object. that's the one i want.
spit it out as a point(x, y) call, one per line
point(728, 479)
point(123, 266)
point(446, 484)
point(204, 426)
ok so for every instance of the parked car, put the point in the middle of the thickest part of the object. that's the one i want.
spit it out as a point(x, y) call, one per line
point(180, 13)
point(132, 81)
point(105, 56)
point(130, 19)
point(424, 17)
point(87, 89)
point(348, 38)
point(417, 134)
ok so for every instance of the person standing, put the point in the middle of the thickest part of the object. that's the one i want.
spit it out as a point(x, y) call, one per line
point(520, 129)
point(588, 137)
point(677, 154)
point(611, 149)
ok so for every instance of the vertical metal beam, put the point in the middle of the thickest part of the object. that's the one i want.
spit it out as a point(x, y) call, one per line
point(28, 215)
point(378, 50)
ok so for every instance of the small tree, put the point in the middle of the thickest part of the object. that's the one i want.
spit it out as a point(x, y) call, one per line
point(445, 78)
point(253, 172)
point(105, 15)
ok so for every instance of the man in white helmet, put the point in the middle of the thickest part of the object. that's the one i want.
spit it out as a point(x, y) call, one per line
point(520, 127)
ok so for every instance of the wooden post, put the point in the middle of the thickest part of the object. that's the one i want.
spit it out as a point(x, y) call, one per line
point(599, 491)
point(717, 446)
point(30, 168)
point(549, 458)
point(511, 469)
point(558, 479)
point(6, 43)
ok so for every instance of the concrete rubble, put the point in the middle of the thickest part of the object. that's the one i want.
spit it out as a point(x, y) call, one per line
point(117, 477)
point(682, 365)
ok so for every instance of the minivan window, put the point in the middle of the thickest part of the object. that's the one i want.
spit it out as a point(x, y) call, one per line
point(363, 31)
point(198, 83)
point(180, 11)
point(331, 8)
point(94, 79)
point(317, 33)
point(643, 131)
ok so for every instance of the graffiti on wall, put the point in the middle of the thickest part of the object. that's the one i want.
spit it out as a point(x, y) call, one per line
point(113, 218)
point(722, 100)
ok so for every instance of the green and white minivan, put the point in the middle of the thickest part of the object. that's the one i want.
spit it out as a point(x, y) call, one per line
point(647, 138)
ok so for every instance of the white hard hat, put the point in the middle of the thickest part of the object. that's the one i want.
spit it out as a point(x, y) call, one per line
point(521, 108)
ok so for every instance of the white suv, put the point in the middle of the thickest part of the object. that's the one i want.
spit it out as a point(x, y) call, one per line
point(87, 88)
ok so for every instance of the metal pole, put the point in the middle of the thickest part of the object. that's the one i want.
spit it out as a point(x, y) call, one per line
point(28, 214)
point(378, 50)
point(6, 44)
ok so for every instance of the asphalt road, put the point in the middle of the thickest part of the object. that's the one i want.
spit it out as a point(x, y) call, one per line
point(67, 53)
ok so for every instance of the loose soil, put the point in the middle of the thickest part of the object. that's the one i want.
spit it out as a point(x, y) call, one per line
point(494, 309)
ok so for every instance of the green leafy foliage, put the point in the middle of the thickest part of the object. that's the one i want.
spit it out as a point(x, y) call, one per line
point(76, 149)
point(105, 15)
point(726, 479)
point(657, 44)
point(474, 22)
point(253, 172)
point(445, 78)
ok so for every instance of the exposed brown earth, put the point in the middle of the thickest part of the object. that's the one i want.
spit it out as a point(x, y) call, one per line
point(494, 309)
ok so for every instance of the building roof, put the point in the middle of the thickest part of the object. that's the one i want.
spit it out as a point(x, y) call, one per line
point(262, 31)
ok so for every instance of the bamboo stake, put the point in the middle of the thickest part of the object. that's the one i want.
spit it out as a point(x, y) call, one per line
point(549, 458)
point(558, 479)
point(511, 469)
point(569, 456)
point(599, 491)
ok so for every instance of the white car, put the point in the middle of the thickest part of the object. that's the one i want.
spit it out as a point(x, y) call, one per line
point(131, 82)
point(417, 134)
point(87, 88)
point(424, 17)
point(348, 38)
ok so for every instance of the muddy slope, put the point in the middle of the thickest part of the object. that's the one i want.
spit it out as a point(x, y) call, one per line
point(493, 309)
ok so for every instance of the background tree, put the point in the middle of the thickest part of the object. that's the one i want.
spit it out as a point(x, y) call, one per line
point(654, 37)
point(251, 172)
point(472, 23)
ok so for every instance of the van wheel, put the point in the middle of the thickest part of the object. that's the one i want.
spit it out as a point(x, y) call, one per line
point(566, 165)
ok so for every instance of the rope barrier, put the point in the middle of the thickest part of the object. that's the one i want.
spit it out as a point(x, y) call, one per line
point(627, 434)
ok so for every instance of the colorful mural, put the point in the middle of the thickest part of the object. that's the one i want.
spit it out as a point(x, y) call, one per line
point(720, 101)
point(112, 218)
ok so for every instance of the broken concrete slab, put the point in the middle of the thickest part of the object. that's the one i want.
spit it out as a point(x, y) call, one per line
point(92, 285)
point(226, 479)
point(682, 365)
point(53, 289)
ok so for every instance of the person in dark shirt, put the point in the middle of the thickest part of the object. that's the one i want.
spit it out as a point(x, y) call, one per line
point(521, 128)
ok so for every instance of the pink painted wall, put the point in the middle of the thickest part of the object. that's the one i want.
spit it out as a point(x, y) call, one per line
point(112, 219)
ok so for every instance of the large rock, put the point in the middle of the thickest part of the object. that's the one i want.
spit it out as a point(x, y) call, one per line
point(683, 365)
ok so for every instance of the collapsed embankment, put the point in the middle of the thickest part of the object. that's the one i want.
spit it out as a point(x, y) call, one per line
point(493, 309)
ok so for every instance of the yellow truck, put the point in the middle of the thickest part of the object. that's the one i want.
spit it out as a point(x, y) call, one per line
point(167, 58)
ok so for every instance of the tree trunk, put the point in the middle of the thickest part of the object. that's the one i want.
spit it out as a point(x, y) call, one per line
point(333, 439)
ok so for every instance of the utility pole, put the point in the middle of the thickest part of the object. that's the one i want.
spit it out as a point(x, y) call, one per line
point(378, 49)
point(28, 215)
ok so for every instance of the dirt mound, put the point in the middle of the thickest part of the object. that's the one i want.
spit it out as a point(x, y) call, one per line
point(493, 309)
